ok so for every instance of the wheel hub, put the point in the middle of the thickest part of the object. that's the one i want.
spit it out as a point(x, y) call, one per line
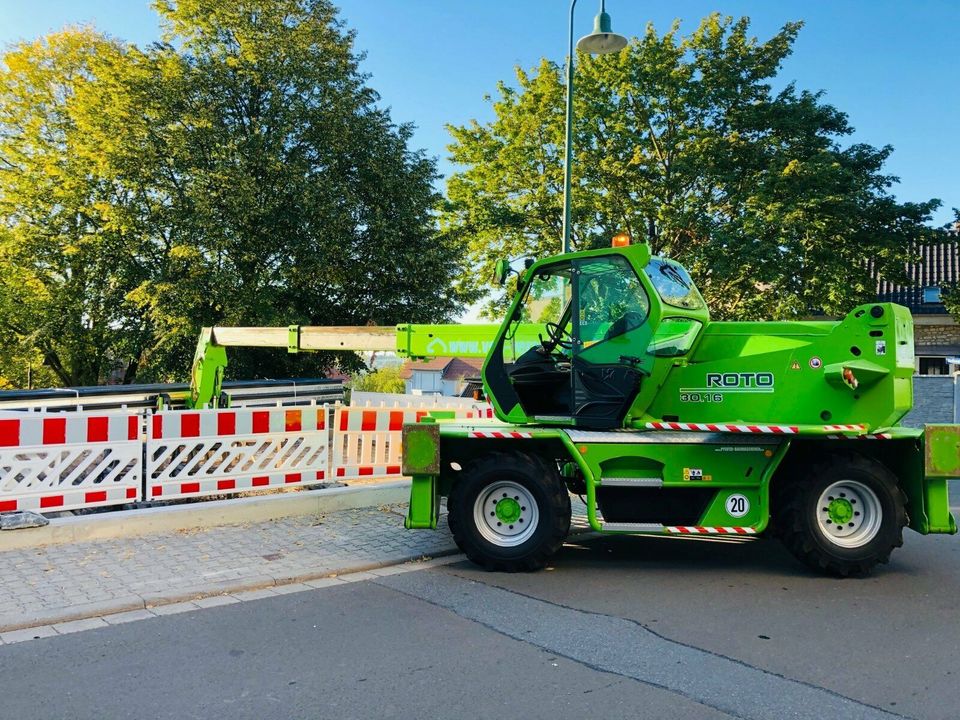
point(506, 513)
point(849, 513)
point(508, 510)
point(840, 510)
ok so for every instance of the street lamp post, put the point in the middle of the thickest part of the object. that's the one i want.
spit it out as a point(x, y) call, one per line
point(600, 42)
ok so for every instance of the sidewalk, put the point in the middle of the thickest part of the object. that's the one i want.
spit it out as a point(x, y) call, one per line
point(59, 583)
point(64, 582)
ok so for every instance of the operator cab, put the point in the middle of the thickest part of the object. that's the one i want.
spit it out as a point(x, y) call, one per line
point(598, 319)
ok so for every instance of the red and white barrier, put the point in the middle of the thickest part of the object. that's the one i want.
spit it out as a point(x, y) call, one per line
point(210, 452)
point(366, 440)
point(67, 461)
point(63, 461)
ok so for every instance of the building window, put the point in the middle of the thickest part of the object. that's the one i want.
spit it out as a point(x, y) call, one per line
point(933, 366)
point(931, 295)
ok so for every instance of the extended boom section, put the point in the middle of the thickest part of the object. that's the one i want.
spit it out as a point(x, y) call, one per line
point(406, 340)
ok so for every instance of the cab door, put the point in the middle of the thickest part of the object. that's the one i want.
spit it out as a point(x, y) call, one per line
point(611, 333)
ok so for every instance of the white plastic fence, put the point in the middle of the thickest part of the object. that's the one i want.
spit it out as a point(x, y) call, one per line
point(210, 452)
point(65, 461)
point(366, 440)
point(73, 460)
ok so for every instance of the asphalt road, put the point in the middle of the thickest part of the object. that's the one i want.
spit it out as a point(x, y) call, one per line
point(616, 628)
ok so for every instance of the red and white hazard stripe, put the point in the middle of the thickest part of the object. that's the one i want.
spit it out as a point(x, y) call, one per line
point(699, 530)
point(79, 498)
point(870, 436)
point(499, 435)
point(844, 428)
point(169, 490)
point(173, 425)
point(376, 419)
point(378, 471)
point(726, 427)
point(66, 429)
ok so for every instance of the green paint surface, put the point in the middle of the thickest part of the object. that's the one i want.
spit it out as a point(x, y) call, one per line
point(943, 450)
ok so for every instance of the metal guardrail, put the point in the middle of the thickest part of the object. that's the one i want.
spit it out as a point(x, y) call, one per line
point(243, 393)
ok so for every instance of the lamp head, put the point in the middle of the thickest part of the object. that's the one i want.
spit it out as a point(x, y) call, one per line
point(602, 40)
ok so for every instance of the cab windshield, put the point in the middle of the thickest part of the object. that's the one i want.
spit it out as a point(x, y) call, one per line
point(673, 284)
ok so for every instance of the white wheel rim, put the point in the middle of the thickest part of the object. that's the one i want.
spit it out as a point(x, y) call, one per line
point(505, 514)
point(849, 514)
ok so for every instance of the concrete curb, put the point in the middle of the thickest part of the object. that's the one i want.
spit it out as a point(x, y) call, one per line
point(146, 521)
point(189, 593)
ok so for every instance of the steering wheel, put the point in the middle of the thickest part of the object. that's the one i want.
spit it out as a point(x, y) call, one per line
point(559, 337)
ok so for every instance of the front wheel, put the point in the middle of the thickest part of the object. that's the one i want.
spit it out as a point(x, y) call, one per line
point(846, 518)
point(509, 511)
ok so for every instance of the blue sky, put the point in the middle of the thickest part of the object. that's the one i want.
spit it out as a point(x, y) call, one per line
point(892, 65)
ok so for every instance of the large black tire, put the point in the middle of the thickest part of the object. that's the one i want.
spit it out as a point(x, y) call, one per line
point(509, 511)
point(844, 517)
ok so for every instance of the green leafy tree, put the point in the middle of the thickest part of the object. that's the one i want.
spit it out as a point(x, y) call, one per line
point(749, 187)
point(65, 265)
point(238, 173)
point(299, 195)
point(384, 380)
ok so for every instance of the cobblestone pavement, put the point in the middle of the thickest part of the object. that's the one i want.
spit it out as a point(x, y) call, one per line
point(40, 582)
point(64, 582)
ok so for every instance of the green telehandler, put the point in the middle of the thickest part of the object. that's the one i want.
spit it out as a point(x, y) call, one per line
point(669, 423)
point(609, 380)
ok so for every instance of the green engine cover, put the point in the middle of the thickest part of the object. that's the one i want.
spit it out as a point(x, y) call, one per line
point(858, 371)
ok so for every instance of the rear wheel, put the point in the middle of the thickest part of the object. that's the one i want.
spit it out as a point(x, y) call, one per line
point(847, 517)
point(509, 511)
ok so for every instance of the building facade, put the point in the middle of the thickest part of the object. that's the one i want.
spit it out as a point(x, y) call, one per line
point(936, 333)
point(439, 376)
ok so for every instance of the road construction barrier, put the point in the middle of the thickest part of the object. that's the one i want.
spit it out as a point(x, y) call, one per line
point(210, 452)
point(366, 440)
point(79, 459)
point(58, 461)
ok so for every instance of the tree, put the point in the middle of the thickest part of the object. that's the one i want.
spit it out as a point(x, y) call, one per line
point(384, 380)
point(65, 266)
point(750, 188)
point(242, 174)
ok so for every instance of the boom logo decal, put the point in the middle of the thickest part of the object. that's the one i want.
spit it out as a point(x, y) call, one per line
point(718, 384)
point(741, 381)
